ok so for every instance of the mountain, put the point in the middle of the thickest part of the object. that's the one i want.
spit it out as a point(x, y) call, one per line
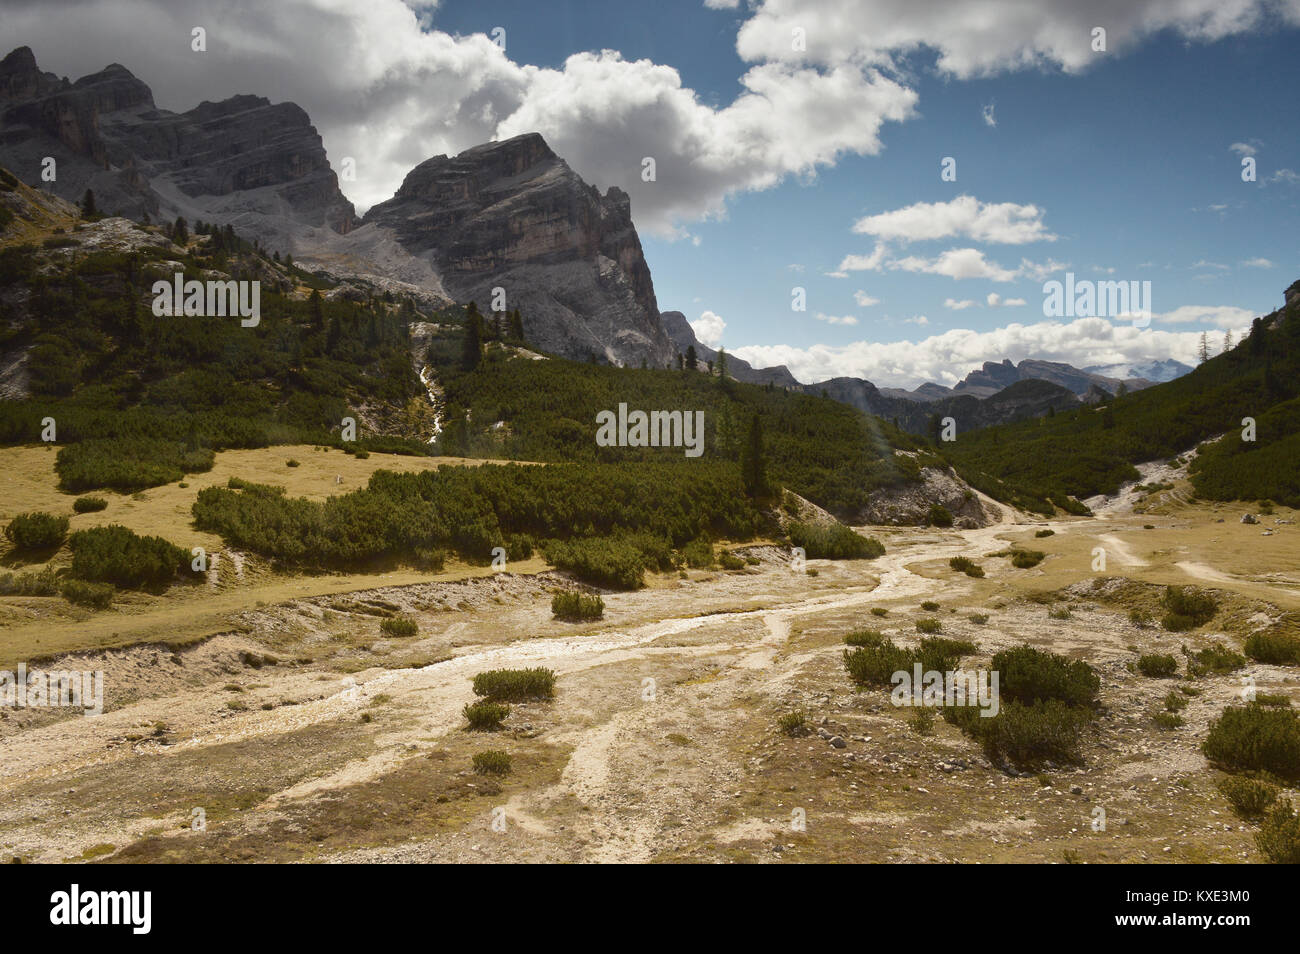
point(509, 215)
point(994, 376)
point(243, 158)
point(1241, 407)
point(512, 215)
point(1154, 371)
point(682, 336)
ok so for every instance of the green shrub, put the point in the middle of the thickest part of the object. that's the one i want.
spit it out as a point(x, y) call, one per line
point(485, 715)
point(879, 611)
point(1217, 659)
point(1186, 609)
point(966, 565)
point(1062, 612)
point(94, 595)
point(1025, 559)
point(729, 561)
point(1157, 665)
point(922, 721)
point(492, 762)
point(875, 665)
point(1175, 702)
point(1139, 619)
point(979, 618)
point(1278, 837)
point(574, 605)
point(114, 554)
point(1278, 649)
point(37, 531)
point(400, 626)
point(698, 553)
point(1044, 533)
point(42, 583)
point(128, 463)
point(1030, 675)
point(928, 624)
point(939, 516)
point(1167, 720)
point(833, 541)
point(930, 606)
point(89, 504)
point(941, 654)
point(793, 723)
point(1026, 735)
point(615, 563)
point(1255, 738)
point(1272, 699)
point(865, 637)
point(1249, 797)
point(515, 685)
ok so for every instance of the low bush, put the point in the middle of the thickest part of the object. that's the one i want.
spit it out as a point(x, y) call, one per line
point(833, 541)
point(515, 685)
point(89, 504)
point(1157, 665)
point(1044, 533)
point(928, 624)
point(492, 762)
point(1215, 660)
point(37, 531)
point(865, 637)
point(485, 716)
point(1167, 720)
point(1278, 837)
point(1025, 559)
point(792, 723)
point(1249, 797)
point(574, 605)
point(400, 627)
point(42, 583)
point(939, 516)
point(966, 565)
point(1186, 609)
point(1255, 738)
point(114, 554)
point(930, 606)
point(94, 595)
point(876, 664)
point(1277, 649)
point(1026, 735)
point(1031, 675)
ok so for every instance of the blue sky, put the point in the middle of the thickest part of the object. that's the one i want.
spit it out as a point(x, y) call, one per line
point(779, 159)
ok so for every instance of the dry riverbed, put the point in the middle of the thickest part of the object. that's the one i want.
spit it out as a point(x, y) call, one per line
point(307, 734)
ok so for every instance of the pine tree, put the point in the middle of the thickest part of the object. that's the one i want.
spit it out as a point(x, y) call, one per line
point(722, 365)
point(88, 209)
point(316, 310)
point(692, 360)
point(1227, 341)
point(753, 461)
point(180, 232)
point(517, 326)
point(473, 348)
point(1203, 352)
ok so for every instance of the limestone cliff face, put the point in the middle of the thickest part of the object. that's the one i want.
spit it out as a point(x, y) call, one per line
point(512, 215)
point(243, 158)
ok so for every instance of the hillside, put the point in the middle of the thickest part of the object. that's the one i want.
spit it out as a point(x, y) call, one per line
point(1092, 450)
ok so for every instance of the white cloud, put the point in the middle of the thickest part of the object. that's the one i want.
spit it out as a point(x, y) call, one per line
point(708, 328)
point(947, 357)
point(864, 300)
point(836, 319)
point(956, 263)
point(722, 4)
point(1222, 316)
point(1287, 176)
point(987, 113)
point(390, 94)
point(1242, 148)
point(918, 320)
point(981, 37)
point(956, 305)
point(962, 217)
point(1257, 263)
point(860, 263)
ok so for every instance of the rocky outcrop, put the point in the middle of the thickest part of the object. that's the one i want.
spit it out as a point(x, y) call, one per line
point(995, 376)
point(513, 216)
point(910, 505)
point(243, 160)
point(682, 335)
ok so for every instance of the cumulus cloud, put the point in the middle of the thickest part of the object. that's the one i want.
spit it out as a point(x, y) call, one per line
point(864, 300)
point(956, 263)
point(1222, 316)
point(384, 86)
point(836, 319)
point(995, 300)
point(708, 328)
point(962, 305)
point(982, 37)
point(1257, 263)
point(987, 113)
point(861, 263)
point(963, 217)
point(1242, 148)
point(948, 357)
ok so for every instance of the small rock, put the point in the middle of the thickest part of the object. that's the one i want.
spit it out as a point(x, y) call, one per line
point(838, 742)
point(1249, 518)
point(1076, 789)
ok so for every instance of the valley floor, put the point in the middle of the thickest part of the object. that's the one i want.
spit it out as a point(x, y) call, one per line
point(308, 735)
